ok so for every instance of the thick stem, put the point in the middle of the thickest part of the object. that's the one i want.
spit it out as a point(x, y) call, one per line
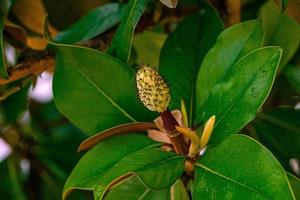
point(176, 138)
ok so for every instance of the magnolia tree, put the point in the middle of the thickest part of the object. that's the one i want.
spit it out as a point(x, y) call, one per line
point(151, 100)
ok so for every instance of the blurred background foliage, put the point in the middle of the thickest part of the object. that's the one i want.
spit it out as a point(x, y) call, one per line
point(38, 145)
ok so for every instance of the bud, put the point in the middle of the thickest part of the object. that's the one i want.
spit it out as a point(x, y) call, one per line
point(208, 128)
point(153, 90)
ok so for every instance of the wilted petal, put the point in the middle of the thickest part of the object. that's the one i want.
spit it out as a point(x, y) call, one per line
point(170, 3)
point(177, 115)
point(159, 136)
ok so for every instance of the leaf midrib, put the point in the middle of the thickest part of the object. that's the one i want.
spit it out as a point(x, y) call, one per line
point(228, 68)
point(127, 21)
point(230, 179)
point(147, 190)
point(238, 57)
point(150, 166)
point(129, 153)
point(239, 98)
point(110, 166)
point(105, 95)
point(140, 149)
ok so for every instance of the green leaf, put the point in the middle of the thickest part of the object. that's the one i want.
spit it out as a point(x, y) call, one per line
point(94, 23)
point(15, 104)
point(295, 184)
point(95, 91)
point(279, 131)
point(3, 67)
point(240, 168)
point(133, 189)
point(244, 89)
point(231, 45)
point(5, 6)
point(6, 189)
point(147, 46)
point(123, 155)
point(284, 4)
point(178, 191)
point(14, 174)
point(292, 73)
point(121, 44)
point(183, 52)
point(280, 30)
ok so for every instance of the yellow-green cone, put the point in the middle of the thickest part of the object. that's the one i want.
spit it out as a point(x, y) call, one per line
point(153, 91)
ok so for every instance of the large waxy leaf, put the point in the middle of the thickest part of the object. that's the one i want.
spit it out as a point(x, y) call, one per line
point(133, 189)
point(240, 168)
point(15, 104)
point(5, 7)
point(279, 131)
point(15, 178)
point(94, 90)
point(292, 73)
point(232, 44)
point(284, 4)
point(121, 155)
point(295, 184)
point(94, 23)
point(7, 191)
point(280, 30)
point(121, 44)
point(183, 52)
point(244, 89)
point(3, 72)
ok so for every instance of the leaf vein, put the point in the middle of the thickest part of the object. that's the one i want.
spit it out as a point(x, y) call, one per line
point(106, 96)
point(230, 179)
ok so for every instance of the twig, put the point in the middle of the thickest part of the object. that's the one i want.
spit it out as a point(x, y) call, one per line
point(27, 68)
point(35, 62)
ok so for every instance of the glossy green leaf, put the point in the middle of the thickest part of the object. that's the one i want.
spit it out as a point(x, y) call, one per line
point(15, 104)
point(95, 91)
point(57, 148)
point(5, 6)
point(16, 182)
point(147, 46)
point(3, 72)
point(295, 184)
point(6, 190)
point(279, 131)
point(284, 4)
point(232, 44)
point(183, 51)
point(121, 44)
point(280, 30)
point(244, 89)
point(178, 191)
point(94, 23)
point(292, 73)
point(133, 189)
point(121, 155)
point(240, 168)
